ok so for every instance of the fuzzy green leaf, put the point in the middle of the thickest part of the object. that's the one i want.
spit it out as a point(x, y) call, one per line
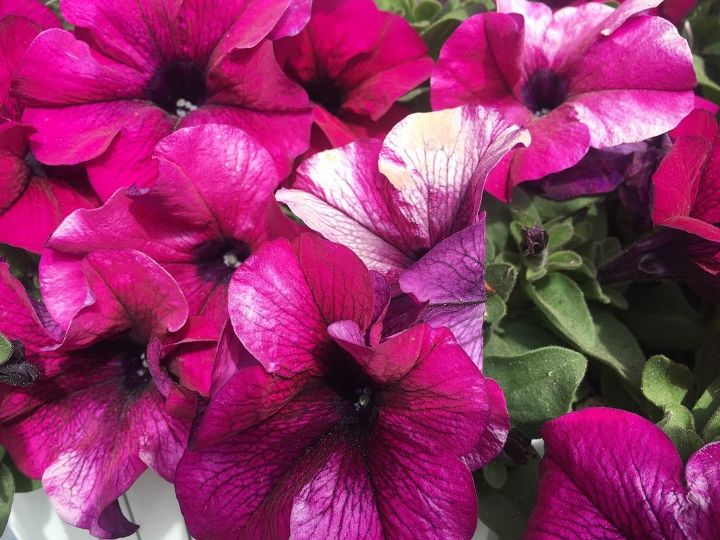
point(666, 383)
point(562, 302)
point(538, 385)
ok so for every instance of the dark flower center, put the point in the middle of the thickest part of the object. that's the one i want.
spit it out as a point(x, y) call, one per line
point(534, 241)
point(16, 370)
point(178, 87)
point(358, 394)
point(217, 260)
point(136, 372)
point(326, 93)
point(34, 166)
point(544, 91)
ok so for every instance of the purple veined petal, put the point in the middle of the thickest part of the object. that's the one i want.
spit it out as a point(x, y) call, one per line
point(254, 496)
point(339, 501)
point(456, 301)
point(590, 486)
point(439, 162)
point(230, 358)
point(283, 298)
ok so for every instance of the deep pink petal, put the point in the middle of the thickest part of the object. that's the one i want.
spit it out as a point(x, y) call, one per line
point(591, 486)
point(253, 496)
point(439, 162)
point(16, 34)
point(71, 135)
point(480, 63)
point(110, 292)
point(442, 404)
point(14, 172)
point(339, 501)
point(396, 65)
point(30, 221)
point(444, 507)
point(283, 298)
point(456, 301)
point(34, 10)
point(79, 74)
point(496, 432)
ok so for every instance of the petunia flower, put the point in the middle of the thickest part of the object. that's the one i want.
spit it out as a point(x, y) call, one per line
point(576, 78)
point(99, 413)
point(354, 61)
point(593, 484)
point(132, 72)
point(408, 207)
point(686, 185)
point(322, 436)
point(685, 210)
point(210, 208)
point(33, 199)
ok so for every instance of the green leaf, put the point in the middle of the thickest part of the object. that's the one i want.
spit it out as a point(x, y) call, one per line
point(551, 211)
point(564, 260)
point(666, 383)
point(425, 10)
point(559, 235)
point(661, 317)
point(562, 302)
point(538, 385)
point(495, 474)
point(616, 347)
point(707, 404)
point(402, 7)
point(501, 277)
point(523, 209)
point(711, 431)
point(6, 349)
point(7, 492)
point(507, 510)
point(495, 309)
point(518, 337)
point(679, 425)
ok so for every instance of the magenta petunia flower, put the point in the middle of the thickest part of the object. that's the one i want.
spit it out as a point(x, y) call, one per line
point(211, 206)
point(319, 440)
point(687, 182)
point(592, 487)
point(354, 61)
point(576, 78)
point(133, 72)
point(408, 207)
point(93, 417)
point(33, 199)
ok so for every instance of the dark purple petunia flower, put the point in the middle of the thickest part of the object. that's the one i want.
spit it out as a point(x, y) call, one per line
point(335, 434)
point(100, 412)
point(134, 71)
point(575, 78)
point(408, 207)
point(355, 62)
point(210, 208)
point(612, 474)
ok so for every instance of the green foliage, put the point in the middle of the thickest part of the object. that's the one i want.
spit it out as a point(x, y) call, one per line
point(6, 349)
point(665, 382)
point(538, 385)
point(506, 509)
